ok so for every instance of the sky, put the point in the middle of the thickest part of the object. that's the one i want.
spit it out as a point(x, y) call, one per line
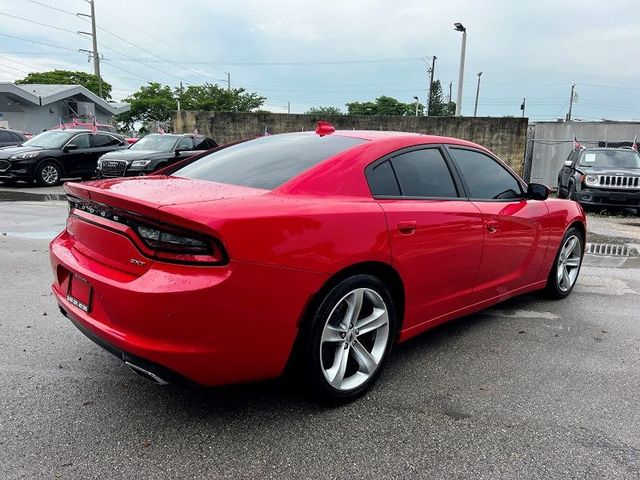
point(328, 52)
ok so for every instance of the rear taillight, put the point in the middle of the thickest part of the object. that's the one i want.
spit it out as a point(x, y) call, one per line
point(154, 239)
point(180, 246)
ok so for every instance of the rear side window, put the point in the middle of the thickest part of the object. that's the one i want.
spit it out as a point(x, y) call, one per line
point(267, 162)
point(382, 180)
point(5, 137)
point(105, 141)
point(424, 173)
point(485, 177)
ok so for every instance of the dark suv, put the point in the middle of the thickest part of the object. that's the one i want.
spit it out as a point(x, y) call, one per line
point(602, 177)
point(10, 138)
point(151, 153)
point(50, 156)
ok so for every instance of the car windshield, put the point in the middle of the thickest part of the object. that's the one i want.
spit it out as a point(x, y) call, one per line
point(267, 162)
point(610, 158)
point(50, 139)
point(158, 143)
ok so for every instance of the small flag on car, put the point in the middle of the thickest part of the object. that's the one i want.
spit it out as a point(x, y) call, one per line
point(634, 145)
point(94, 126)
point(576, 144)
point(62, 124)
point(266, 132)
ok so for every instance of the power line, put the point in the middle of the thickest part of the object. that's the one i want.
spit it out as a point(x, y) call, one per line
point(39, 43)
point(38, 23)
point(51, 7)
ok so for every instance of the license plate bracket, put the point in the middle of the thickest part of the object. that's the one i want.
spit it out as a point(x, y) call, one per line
point(79, 293)
point(618, 197)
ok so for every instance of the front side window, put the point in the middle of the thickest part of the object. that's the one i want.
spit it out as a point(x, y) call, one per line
point(267, 162)
point(424, 173)
point(485, 178)
point(185, 143)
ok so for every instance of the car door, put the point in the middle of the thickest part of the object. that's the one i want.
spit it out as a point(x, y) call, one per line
point(435, 233)
point(515, 241)
point(77, 154)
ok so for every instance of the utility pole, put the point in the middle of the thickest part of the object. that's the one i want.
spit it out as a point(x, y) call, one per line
point(431, 72)
point(571, 102)
point(179, 96)
point(228, 80)
point(460, 28)
point(523, 105)
point(417, 103)
point(289, 107)
point(450, 87)
point(475, 108)
point(96, 56)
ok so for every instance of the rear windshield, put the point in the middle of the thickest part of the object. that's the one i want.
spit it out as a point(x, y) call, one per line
point(267, 162)
point(610, 158)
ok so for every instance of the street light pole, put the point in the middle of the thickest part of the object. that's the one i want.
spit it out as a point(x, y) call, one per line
point(475, 108)
point(460, 28)
point(417, 100)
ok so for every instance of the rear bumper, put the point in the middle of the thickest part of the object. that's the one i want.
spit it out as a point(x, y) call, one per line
point(211, 325)
point(608, 198)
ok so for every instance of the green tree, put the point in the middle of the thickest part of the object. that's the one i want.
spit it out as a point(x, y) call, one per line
point(438, 107)
point(384, 106)
point(151, 103)
point(210, 97)
point(328, 110)
point(66, 77)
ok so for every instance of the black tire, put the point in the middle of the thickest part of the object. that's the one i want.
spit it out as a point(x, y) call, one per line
point(48, 174)
point(313, 352)
point(554, 289)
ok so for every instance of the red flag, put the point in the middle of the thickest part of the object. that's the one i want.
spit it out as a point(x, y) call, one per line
point(635, 143)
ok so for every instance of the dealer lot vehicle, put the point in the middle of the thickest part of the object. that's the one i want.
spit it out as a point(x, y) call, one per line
point(607, 177)
point(51, 156)
point(316, 251)
point(10, 138)
point(151, 153)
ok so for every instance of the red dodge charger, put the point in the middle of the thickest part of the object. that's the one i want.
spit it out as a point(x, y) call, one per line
point(314, 250)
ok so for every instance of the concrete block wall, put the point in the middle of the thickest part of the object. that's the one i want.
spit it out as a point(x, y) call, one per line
point(506, 137)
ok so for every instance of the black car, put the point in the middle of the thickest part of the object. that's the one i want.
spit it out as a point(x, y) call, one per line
point(9, 138)
point(151, 153)
point(50, 156)
point(602, 177)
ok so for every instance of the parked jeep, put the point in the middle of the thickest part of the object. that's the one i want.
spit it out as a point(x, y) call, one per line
point(607, 177)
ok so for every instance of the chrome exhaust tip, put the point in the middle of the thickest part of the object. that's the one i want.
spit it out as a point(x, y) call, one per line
point(144, 373)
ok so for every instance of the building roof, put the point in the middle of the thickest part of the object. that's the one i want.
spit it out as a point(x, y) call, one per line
point(43, 94)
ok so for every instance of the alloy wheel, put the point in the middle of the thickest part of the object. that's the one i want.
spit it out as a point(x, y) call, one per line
point(50, 175)
point(569, 261)
point(354, 339)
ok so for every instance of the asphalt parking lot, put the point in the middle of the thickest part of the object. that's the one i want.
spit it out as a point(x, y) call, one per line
point(528, 389)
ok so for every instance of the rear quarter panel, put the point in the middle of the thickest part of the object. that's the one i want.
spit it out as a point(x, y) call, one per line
point(292, 231)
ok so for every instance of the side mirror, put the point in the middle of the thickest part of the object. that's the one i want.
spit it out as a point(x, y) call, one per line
point(70, 146)
point(568, 163)
point(537, 191)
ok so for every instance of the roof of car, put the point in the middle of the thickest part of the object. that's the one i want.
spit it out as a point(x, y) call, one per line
point(373, 135)
point(10, 130)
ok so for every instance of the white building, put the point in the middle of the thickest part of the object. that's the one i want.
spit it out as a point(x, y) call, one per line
point(34, 107)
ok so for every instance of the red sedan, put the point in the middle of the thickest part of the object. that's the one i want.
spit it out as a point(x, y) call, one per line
point(314, 250)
